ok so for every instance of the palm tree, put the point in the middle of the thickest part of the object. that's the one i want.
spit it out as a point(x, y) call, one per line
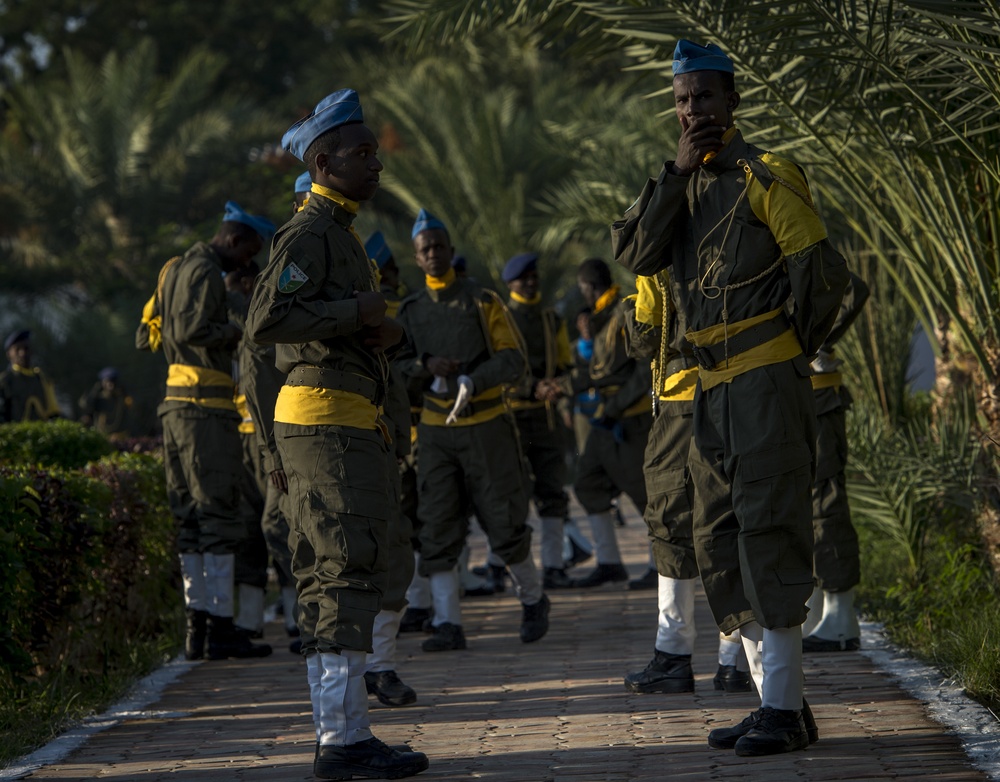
point(113, 153)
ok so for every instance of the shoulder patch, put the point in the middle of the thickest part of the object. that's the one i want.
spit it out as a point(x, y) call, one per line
point(291, 279)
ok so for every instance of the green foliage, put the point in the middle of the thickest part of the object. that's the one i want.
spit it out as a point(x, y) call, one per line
point(62, 444)
point(87, 588)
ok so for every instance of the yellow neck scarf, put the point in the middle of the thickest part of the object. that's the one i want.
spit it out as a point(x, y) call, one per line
point(440, 283)
point(26, 371)
point(333, 195)
point(609, 297)
point(536, 299)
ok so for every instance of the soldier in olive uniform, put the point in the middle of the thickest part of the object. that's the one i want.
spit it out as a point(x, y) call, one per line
point(611, 462)
point(26, 393)
point(739, 232)
point(188, 317)
point(318, 301)
point(107, 406)
point(655, 330)
point(832, 625)
point(461, 351)
point(541, 438)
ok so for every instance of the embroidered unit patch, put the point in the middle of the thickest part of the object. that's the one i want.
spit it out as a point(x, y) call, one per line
point(291, 279)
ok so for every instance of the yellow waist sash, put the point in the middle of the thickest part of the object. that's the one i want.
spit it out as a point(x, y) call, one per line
point(309, 406)
point(782, 348)
point(826, 380)
point(680, 386)
point(184, 375)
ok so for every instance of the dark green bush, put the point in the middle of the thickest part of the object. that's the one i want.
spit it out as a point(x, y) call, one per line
point(88, 583)
point(65, 444)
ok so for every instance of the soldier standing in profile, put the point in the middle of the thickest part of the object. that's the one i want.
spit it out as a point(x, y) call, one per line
point(26, 393)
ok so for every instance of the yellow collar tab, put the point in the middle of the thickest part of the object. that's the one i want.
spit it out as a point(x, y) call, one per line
point(337, 198)
point(440, 283)
point(609, 297)
point(536, 299)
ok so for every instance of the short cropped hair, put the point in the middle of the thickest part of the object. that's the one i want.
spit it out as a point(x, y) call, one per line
point(327, 142)
point(596, 272)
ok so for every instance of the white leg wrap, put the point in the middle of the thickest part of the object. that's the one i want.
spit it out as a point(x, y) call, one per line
point(815, 606)
point(444, 594)
point(552, 542)
point(730, 648)
point(219, 583)
point(527, 581)
point(193, 573)
point(675, 629)
point(383, 656)
point(314, 675)
point(839, 622)
point(251, 613)
point(602, 527)
point(782, 658)
point(343, 700)
point(751, 634)
point(290, 602)
point(418, 594)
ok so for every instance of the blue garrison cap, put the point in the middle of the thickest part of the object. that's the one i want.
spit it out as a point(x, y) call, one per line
point(518, 265)
point(426, 222)
point(16, 336)
point(458, 263)
point(338, 108)
point(377, 249)
point(304, 183)
point(235, 214)
point(108, 373)
point(690, 56)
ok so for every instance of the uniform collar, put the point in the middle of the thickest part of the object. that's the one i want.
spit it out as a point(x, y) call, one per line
point(735, 148)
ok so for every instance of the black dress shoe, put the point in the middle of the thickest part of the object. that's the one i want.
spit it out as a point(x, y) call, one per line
point(813, 643)
point(665, 673)
point(556, 578)
point(413, 620)
point(446, 638)
point(481, 591)
point(389, 688)
point(776, 731)
point(225, 641)
point(648, 580)
point(730, 679)
point(371, 759)
point(602, 574)
point(535, 620)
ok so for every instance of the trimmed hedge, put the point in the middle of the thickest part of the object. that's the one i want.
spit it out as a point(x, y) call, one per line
point(89, 582)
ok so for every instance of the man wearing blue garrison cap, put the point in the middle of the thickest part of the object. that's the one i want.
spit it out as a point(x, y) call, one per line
point(303, 186)
point(532, 401)
point(389, 282)
point(754, 415)
point(188, 318)
point(318, 300)
point(462, 349)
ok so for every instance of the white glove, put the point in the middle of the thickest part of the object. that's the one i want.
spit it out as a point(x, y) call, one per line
point(466, 388)
point(440, 384)
point(825, 363)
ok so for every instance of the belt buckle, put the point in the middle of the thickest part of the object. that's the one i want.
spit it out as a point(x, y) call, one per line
point(703, 357)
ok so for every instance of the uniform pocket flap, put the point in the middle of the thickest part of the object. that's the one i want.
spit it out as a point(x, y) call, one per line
point(344, 499)
point(775, 461)
point(794, 576)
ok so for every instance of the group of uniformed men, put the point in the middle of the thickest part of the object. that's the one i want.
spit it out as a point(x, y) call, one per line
point(739, 289)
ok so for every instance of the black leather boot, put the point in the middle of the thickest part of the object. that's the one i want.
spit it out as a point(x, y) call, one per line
point(535, 620)
point(665, 673)
point(730, 679)
point(225, 640)
point(371, 759)
point(194, 641)
point(602, 574)
point(776, 731)
point(389, 688)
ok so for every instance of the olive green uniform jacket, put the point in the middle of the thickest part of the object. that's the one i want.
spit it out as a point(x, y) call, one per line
point(202, 452)
point(329, 433)
point(746, 250)
point(26, 395)
point(476, 460)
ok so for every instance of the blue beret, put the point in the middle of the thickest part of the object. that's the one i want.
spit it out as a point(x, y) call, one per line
point(690, 56)
point(426, 222)
point(377, 249)
point(16, 336)
point(108, 373)
point(304, 183)
point(518, 265)
point(235, 214)
point(338, 108)
point(458, 263)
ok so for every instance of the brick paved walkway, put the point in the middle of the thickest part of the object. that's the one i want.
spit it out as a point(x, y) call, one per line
point(553, 711)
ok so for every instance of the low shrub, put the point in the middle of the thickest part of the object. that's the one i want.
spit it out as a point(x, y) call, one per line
point(59, 443)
